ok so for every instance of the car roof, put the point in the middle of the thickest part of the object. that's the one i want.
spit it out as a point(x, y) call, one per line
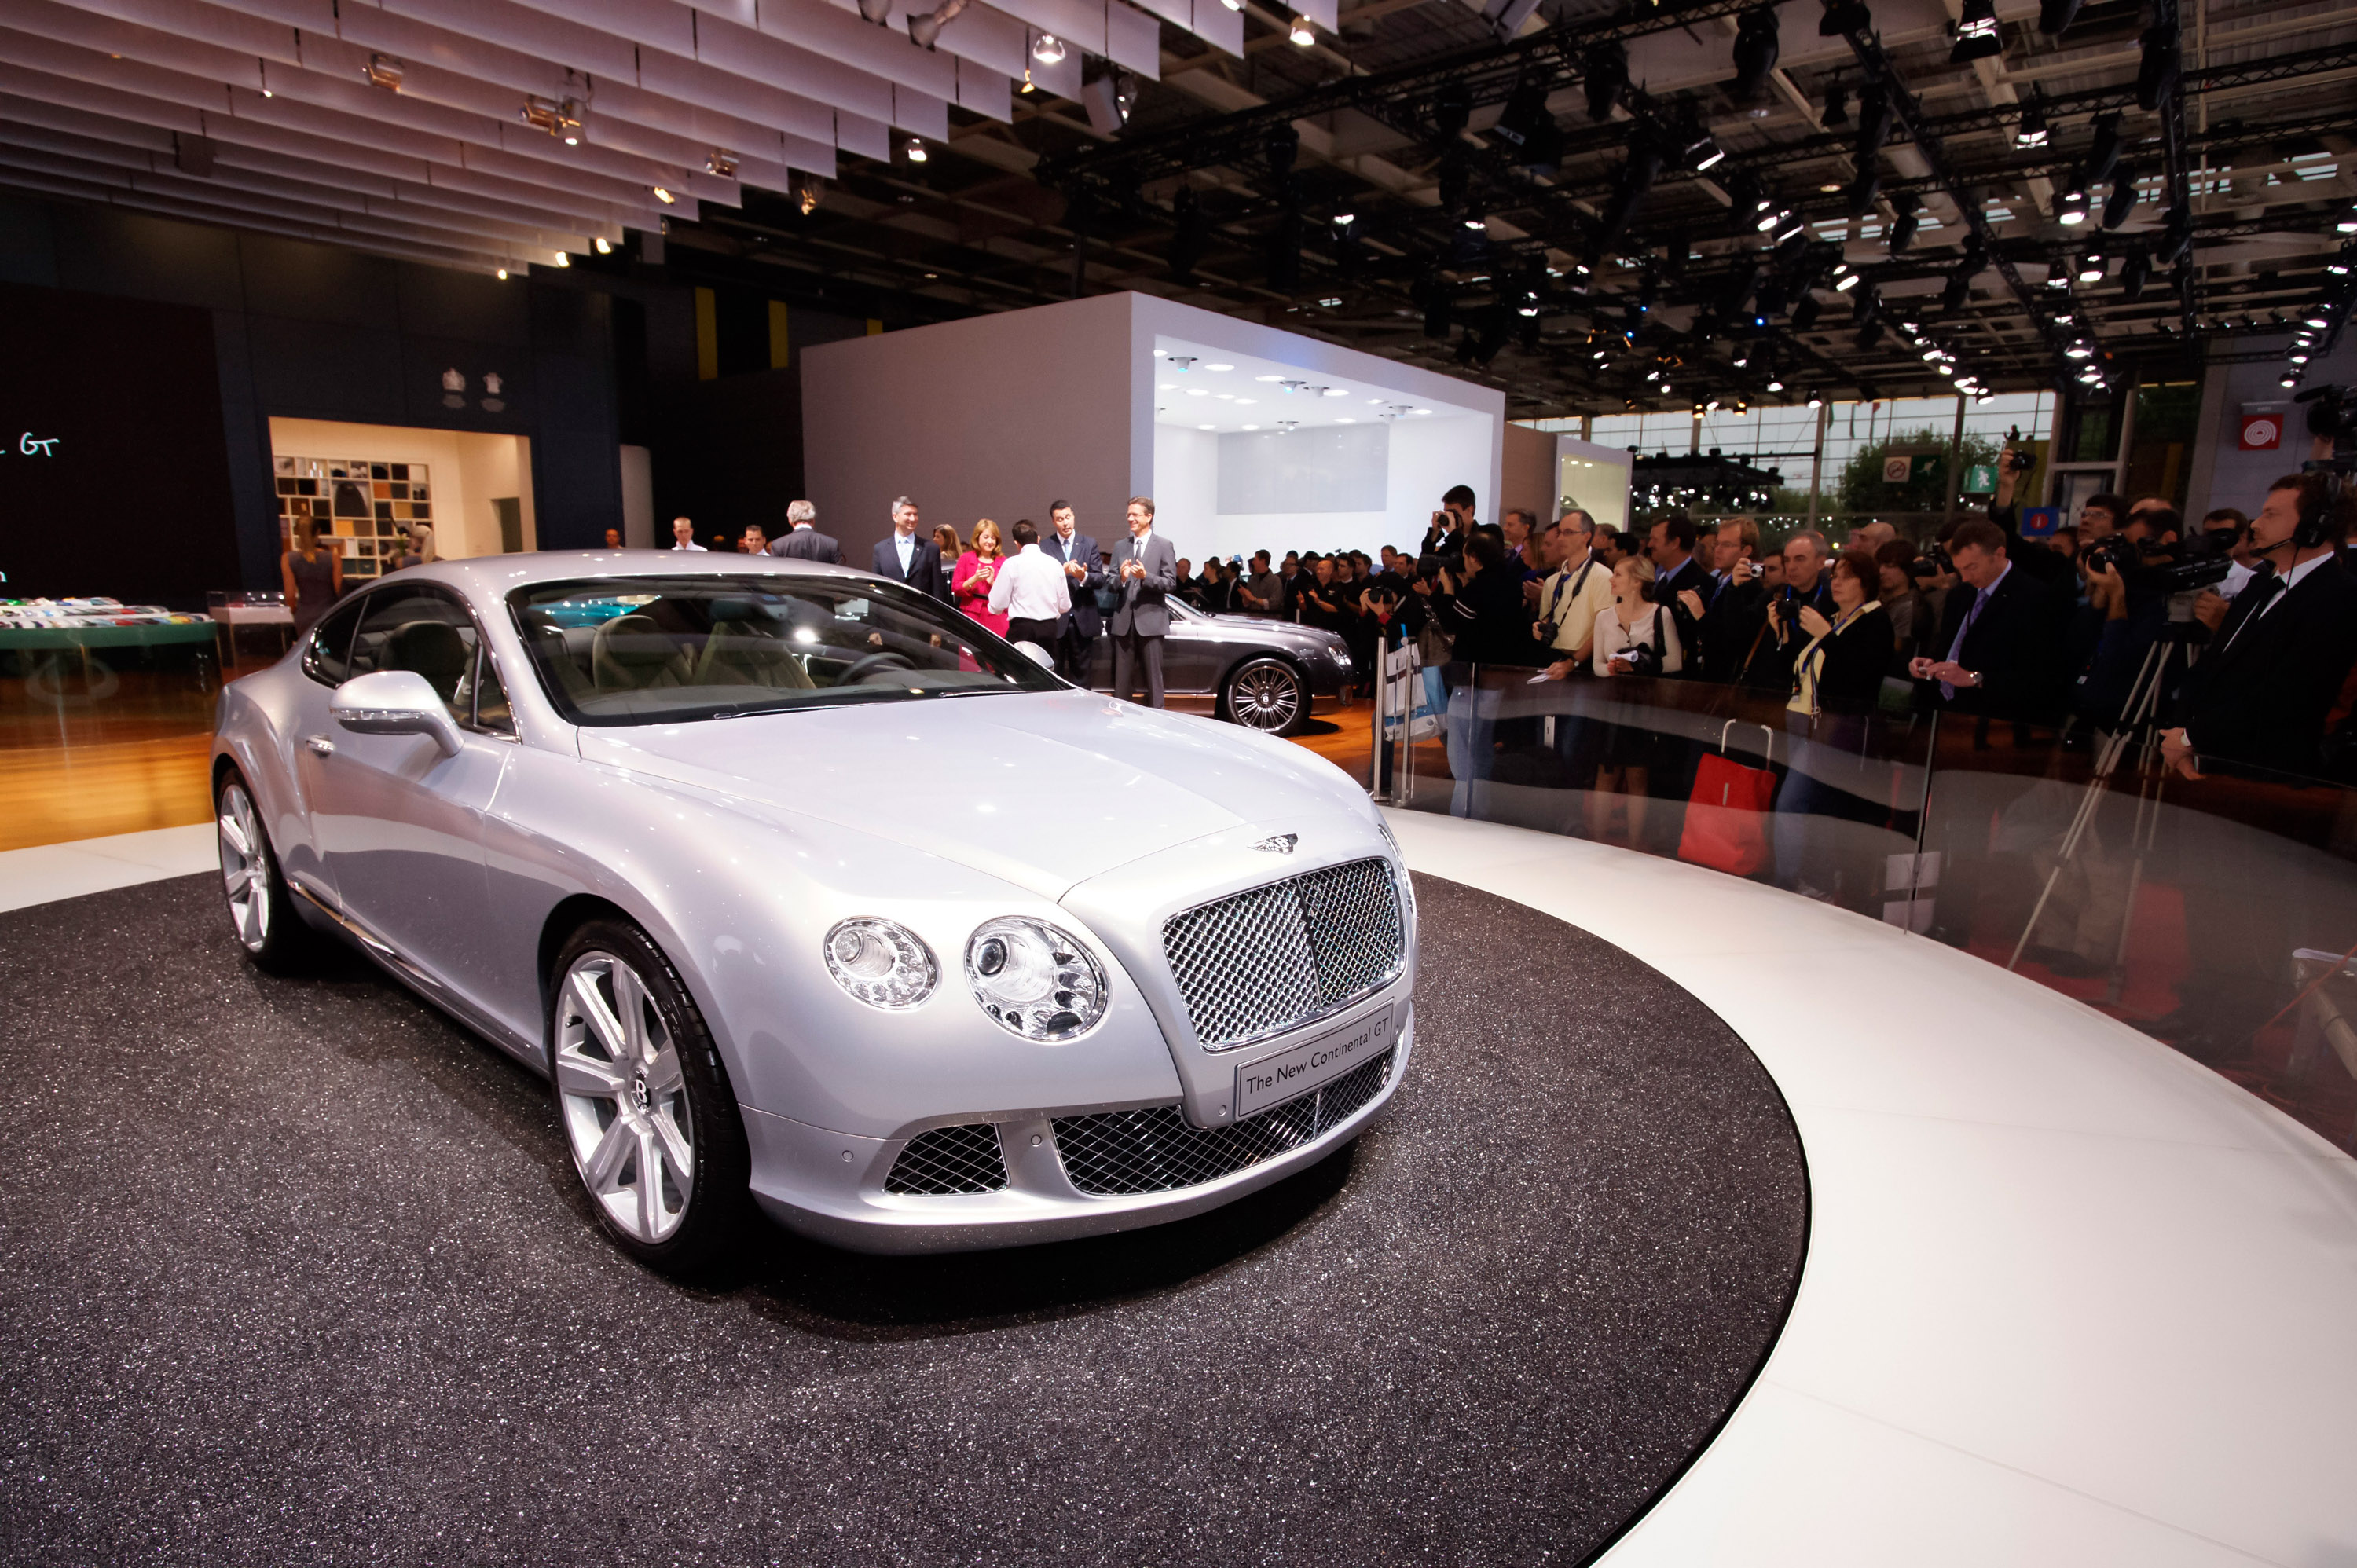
point(495, 576)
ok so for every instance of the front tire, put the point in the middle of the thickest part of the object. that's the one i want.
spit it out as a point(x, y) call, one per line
point(261, 907)
point(1268, 695)
point(654, 1128)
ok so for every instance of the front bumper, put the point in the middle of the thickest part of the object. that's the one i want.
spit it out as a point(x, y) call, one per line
point(832, 1186)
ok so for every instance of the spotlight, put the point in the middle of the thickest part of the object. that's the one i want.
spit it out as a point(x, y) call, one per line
point(1804, 314)
point(1816, 398)
point(1836, 106)
point(1047, 50)
point(2176, 237)
point(2032, 131)
point(563, 260)
point(1344, 220)
point(2319, 321)
point(1977, 34)
point(1867, 309)
point(1862, 190)
point(663, 196)
point(1756, 49)
point(2123, 200)
point(1847, 280)
point(2071, 210)
point(1958, 289)
point(2054, 16)
point(924, 29)
point(1903, 220)
point(1604, 78)
point(1475, 220)
point(1704, 154)
point(2291, 381)
point(2094, 266)
point(1525, 122)
point(2104, 152)
point(383, 71)
point(2135, 272)
point(1636, 180)
point(504, 274)
point(1301, 32)
point(1845, 16)
point(1868, 335)
point(2156, 72)
point(916, 154)
point(1874, 114)
point(1775, 381)
point(605, 246)
point(1280, 148)
point(876, 11)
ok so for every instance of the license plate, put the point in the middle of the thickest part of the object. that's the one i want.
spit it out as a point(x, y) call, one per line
point(1297, 1071)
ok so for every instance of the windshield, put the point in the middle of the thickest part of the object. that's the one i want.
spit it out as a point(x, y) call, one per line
point(635, 651)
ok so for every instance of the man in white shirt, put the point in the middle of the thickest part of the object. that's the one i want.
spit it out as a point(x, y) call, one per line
point(1571, 599)
point(1032, 592)
point(682, 534)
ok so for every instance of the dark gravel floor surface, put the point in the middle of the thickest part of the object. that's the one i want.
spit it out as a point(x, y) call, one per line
point(296, 1272)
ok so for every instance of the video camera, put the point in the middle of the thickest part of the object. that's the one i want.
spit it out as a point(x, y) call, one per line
point(2331, 411)
point(2177, 570)
point(1935, 561)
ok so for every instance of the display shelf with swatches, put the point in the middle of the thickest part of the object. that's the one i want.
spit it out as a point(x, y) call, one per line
point(366, 507)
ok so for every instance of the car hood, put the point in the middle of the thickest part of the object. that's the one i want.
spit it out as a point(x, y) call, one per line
point(1043, 791)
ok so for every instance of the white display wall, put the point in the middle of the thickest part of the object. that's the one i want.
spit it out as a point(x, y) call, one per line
point(997, 415)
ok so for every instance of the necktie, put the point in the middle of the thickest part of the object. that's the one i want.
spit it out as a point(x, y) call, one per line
point(1972, 614)
point(2265, 589)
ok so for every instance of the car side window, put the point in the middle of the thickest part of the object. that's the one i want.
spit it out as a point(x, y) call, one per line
point(329, 658)
point(423, 630)
point(491, 713)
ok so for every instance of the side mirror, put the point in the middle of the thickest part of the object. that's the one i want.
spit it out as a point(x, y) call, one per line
point(1039, 655)
point(395, 702)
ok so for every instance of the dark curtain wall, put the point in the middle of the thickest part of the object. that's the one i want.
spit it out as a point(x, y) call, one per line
point(111, 475)
point(310, 331)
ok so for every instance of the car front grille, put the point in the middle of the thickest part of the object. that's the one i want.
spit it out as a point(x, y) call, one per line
point(1112, 1153)
point(1271, 957)
point(949, 1160)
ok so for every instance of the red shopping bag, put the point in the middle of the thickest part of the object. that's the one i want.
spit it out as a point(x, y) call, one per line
point(1727, 818)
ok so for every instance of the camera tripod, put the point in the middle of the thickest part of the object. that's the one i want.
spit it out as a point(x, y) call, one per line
point(2176, 644)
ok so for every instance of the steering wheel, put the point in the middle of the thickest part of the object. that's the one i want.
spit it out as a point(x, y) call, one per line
point(873, 664)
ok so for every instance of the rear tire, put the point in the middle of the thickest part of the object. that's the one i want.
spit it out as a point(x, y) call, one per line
point(1266, 694)
point(261, 906)
point(653, 1128)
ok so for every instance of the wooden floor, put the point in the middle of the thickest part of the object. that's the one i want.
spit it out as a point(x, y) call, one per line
point(124, 769)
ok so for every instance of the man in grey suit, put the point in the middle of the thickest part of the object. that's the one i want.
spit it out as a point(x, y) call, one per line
point(1147, 570)
point(909, 557)
point(1076, 552)
point(803, 541)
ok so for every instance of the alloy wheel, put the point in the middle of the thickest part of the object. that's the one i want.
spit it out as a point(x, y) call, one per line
point(245, 866)
point(1265, 696)
point(625, 1101)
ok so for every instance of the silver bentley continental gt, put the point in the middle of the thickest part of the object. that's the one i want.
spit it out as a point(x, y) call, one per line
point(807, 893)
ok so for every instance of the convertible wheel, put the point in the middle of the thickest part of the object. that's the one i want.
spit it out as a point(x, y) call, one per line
point(261, 909)
point(1268, 695)
point(654, 1130)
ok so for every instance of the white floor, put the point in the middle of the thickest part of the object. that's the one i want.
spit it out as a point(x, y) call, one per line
point(2069, 1299)
point(54, 871)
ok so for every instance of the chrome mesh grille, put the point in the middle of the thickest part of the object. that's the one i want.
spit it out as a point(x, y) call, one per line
point(950, 1160)
point(1112, 1153)
point(1268, 957)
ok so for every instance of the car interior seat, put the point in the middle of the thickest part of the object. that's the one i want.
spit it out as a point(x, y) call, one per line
point(433, 649)
point(631, 653)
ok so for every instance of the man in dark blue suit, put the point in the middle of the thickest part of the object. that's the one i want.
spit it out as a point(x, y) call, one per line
point(910, 557)
point(803, 541)
point(1076, 639)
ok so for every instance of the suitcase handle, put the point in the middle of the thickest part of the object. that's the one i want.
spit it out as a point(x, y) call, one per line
point(1767, 749)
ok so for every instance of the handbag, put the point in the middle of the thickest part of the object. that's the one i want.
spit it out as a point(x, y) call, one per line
point(1727, 816)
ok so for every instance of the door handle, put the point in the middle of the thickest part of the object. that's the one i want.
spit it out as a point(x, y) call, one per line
point(320, 744)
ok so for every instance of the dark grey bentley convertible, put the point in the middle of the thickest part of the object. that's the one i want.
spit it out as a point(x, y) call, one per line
point(1264, 673)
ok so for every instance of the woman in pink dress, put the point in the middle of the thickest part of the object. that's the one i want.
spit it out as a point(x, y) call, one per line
point(977, 568)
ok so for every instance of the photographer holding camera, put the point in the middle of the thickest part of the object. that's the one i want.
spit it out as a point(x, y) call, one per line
point(2261, 693)
point(2049, 566)
point(1450, 526)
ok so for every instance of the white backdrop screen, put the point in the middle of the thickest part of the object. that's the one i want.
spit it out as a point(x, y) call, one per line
point(1334, 468)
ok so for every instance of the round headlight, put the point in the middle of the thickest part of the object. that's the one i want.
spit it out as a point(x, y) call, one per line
point(1034, 979)
point(882, 963)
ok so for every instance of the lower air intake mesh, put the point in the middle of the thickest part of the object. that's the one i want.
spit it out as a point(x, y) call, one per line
point(949, 1160)
point(1115, 1153)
